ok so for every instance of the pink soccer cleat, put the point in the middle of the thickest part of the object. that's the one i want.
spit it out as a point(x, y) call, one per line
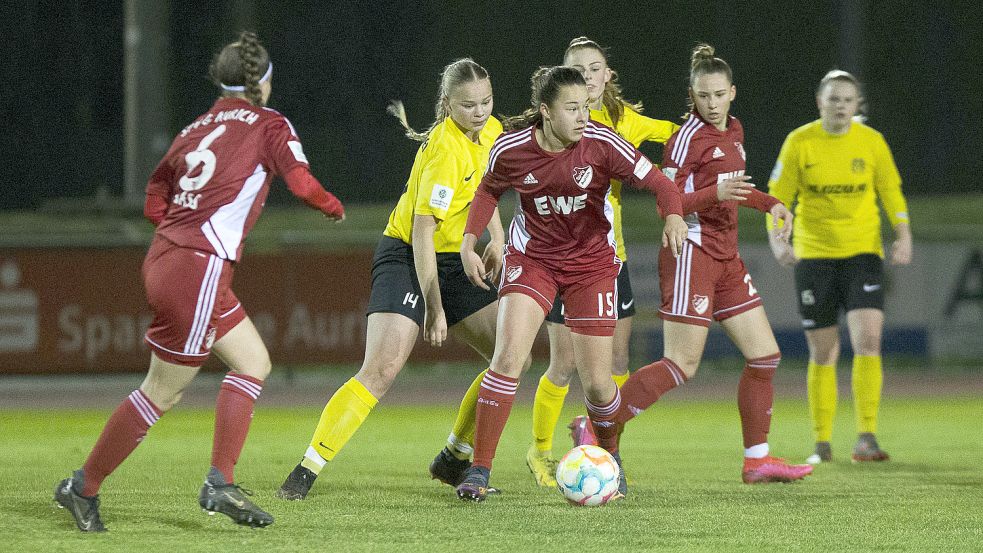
point(582, 431)
point(772, 469)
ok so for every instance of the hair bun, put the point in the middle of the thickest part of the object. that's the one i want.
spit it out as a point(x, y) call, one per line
point(702, 52)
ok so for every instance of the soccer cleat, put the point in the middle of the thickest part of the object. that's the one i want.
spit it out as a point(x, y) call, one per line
point(772, 469)
point(823, 454)
point(474, 487)
point(622, 478)
point(217, 496)
point(448, 469)
point(868, 450)
point(582, 431)
point(297, 484)
point(542, 465)
point(85, 510)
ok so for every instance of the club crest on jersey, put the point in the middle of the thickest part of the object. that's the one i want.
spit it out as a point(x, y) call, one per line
point(740, 149)
point(700, 303)
point(210, 338)
point(583, 175)
point(859, 165)
point(513, 273)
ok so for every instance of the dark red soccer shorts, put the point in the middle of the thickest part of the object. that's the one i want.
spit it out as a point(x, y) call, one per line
point(590, 298)
point(193, 304)
point(696, 287)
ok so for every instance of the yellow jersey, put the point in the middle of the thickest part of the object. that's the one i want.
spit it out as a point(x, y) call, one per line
point(635, 128)
point(446, 172)
point(837, 180)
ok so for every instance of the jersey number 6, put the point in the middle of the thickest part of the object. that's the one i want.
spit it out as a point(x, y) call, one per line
point(201, 157)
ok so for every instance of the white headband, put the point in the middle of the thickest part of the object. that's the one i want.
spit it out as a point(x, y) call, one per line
point(241, 88)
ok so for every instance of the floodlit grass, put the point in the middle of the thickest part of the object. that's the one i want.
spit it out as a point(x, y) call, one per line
point(682, 457)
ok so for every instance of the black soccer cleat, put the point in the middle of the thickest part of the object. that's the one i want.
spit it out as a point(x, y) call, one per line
point(448, 469)
point(217, 496)
point(85, 510)
point(867, 449)
point(474, 487)
point(297, 484)
point(622, 479)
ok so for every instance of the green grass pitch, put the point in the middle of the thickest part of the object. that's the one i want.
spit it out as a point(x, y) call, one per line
point(682, 457)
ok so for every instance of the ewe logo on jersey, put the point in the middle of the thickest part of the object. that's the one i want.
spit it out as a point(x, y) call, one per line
point(560, 205)
point(583, 175)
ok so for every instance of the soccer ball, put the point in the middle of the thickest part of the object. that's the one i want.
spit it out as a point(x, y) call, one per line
point(588, 476)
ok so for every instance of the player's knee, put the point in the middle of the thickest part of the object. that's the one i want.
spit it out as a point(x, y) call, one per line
point(561, 371)
point(763, 368)
point(162, 398)
point(599, 390)
point(379, 377)
point(867, 343)
point(686, 363)
point(508, 365)
point(259, 370)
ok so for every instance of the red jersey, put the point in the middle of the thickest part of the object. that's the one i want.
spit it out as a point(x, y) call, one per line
point(217, 175)
point(698, 157)
point(564, 217)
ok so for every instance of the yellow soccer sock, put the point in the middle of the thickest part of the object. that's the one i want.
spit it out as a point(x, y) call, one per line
point(868, 378)
point(345, 412)
point(461, 441)
point(620, 379)
point(546, 412)
point(821, 383)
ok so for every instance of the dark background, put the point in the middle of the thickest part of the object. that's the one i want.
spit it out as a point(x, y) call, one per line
point(337, 64)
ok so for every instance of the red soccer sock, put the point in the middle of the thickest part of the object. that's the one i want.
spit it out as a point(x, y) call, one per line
point(233, 413)
point(646, 386)
point(494, 404)
point(603, 419)
point(754, 398)
point(123, 432)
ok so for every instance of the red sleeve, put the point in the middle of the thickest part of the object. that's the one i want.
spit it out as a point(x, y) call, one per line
point(700, 200)
point(651, 179)
point(761, 201)
point(283, 149)
point(158, 193)
point(302, 184)
point(482, 208)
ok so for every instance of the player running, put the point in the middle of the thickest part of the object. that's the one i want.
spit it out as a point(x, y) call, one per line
point(708, 281)
point(204, 198)
point(417, 275)
point(609, 107)
point(837, 168)
point(560, 241)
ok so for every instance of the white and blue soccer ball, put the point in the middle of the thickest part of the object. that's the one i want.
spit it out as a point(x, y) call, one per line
point(588, 476)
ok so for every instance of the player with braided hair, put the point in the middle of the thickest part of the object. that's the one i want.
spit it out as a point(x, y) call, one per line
point(204, 198)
